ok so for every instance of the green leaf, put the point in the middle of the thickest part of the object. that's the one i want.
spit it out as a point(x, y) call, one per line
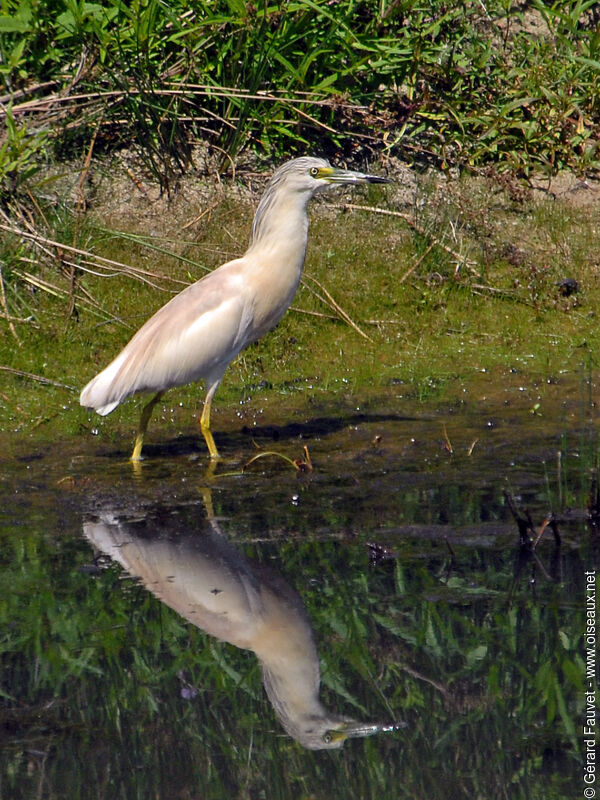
point(476, 654)
point(14, 24)
point(572, 674)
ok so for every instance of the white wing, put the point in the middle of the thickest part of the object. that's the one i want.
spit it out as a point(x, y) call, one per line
point(195, 335)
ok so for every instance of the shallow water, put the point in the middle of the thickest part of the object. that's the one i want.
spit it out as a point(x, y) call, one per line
point(397, 558)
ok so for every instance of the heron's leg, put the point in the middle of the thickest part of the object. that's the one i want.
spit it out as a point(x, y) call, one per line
point(206, 494)
point(205, 419)
point(144, 420)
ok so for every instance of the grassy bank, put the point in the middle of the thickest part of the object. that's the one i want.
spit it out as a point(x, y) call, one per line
point(453, 292)
point(141, 134)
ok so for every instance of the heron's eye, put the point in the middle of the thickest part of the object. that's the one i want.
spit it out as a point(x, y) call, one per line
point(314, 171)
point(327, 735)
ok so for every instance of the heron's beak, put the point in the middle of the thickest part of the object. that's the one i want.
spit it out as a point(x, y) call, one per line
point(357, 730)
point(335, 175)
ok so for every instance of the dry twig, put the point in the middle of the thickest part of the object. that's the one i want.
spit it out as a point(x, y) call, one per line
point(48, 245)
point(39, 378)
point(470, 265)
point(333, 304)
point(6, 314)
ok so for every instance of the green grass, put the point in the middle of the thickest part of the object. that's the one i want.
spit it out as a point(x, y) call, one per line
point(512, 84)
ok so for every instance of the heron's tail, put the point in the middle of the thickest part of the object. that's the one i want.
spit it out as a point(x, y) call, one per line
point(100, 393)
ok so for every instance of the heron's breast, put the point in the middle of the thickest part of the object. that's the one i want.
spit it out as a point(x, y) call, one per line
point(274, 291)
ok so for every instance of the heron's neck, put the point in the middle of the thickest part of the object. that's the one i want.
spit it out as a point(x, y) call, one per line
point(293, 690)
point(287, 653)
point(280, 228)
point(276, 255)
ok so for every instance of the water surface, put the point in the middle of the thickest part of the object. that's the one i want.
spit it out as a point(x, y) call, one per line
point(394, 569)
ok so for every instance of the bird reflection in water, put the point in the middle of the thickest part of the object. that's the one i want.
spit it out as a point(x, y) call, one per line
point(203, 577)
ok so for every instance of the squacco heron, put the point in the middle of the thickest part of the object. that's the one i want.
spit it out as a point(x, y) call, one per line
point(197, 333)
point(203, 577)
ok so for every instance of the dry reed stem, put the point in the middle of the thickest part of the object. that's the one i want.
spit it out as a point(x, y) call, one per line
point(39, 378)
point(45, 104)
point(84, 172)
point(56, 291)
point(331, 302)
point(6, 314)
point(419, 261)
point(200, 216)
point(314, 313)
point(120, 269)
point(470, 265)
point(8, 98)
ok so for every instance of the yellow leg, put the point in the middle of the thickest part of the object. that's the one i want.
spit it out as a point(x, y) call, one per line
point(205, 424)
point(144, 420)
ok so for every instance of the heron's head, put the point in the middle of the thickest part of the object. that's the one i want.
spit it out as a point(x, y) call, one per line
point(330, 731)
point(312, 175)
point(292, 186)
